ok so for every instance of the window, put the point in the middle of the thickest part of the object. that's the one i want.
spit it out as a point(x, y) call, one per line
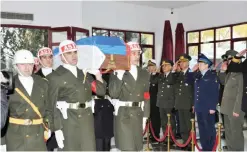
point(214, 42)
point(145, 39)
point(16, 37)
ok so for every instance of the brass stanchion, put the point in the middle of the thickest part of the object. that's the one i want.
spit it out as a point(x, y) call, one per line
point(148, 132)
point(219, 134)
point(192, 131)
point(168, 135)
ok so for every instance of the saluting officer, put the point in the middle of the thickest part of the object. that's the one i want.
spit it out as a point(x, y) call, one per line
point(231, 103)
point(183, 96)
point(206, 95)
point(166, 94)
point(133, 107)
point(45, 59)
point(28, 107)
point(153, 90)
point(70, 93)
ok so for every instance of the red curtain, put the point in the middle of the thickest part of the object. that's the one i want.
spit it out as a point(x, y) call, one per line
point(167, 49)
point(179, 40)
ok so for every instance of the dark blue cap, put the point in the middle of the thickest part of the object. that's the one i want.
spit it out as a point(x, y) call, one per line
point(203, 58)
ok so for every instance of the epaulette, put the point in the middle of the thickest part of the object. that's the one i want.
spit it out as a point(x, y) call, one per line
point(45, 79)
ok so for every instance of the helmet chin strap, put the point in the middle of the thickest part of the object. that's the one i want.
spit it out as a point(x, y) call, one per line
point(66, 62)
point(19, 72)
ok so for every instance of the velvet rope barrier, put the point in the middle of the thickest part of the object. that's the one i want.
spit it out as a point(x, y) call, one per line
point(145, 129)
point(177, 143)
point(195, 142)
point(156, 138)
point(215, 144)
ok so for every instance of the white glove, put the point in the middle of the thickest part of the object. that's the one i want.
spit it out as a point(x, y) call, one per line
point(144, 122)
point(3, 79)
point(116, 106)
point(142, 105)
point(60, 138)
point(120, 74)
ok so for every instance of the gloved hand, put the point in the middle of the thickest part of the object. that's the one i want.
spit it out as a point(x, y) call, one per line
point(120, 74)
point(144, 122)
point(90, 104)
point(60, 138)
point(116, 106)
point(47, 134)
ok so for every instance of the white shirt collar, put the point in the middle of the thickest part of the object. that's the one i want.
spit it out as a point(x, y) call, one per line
point(46, 71)
point(133, 71)
point(71, 68)
point(27, 83)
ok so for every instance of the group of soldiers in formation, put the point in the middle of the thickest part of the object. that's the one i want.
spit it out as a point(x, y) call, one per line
point(75, 109)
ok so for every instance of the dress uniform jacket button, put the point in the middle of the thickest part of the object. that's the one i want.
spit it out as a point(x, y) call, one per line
point(102, 106)
point(26, 110)
point(79, 116)
point(27, 136)
point(130, 94)
point(64, 82)
point(37, 134)
point(162, 95)
point(138, 95)
point(131, 115)
point(42, 95)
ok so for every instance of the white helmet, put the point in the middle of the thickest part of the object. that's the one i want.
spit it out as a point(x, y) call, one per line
point(44, 51)
point(67, 46)
point(134, 46)
point(23, 56)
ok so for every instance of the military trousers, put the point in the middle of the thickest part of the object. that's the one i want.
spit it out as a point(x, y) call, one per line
point(164, 119)
point(207, 131)
point(185, 124)
point(234, 132)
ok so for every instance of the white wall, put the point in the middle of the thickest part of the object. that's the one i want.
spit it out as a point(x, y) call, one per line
point(87, 14)
point(212, 14)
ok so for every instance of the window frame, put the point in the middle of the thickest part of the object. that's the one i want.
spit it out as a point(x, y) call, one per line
point(139, 32)
point(232, 40)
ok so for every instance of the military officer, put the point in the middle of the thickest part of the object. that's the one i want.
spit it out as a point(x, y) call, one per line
point(28, 107)
point(45, 59)
point(166, 95)
point(70, 93)
point(183, 96)
point(153, 90)
point(133, 107)
point(36, 67)
point(206, 95)
point(231, 103)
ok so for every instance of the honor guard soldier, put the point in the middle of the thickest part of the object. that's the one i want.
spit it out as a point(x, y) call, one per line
point(166, 94)
point(28, 107)
point(206, 95)
point(133, 107)
point(45, 58)
point(183, 96)
point(153, 90)
point(70, 93)
point(231, 103)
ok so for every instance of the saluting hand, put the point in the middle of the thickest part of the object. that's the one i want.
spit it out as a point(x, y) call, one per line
point(175, 67)
point(223, 66)
point(235, 114)
point(211, 111)
point(242, 52)
point(195, 68)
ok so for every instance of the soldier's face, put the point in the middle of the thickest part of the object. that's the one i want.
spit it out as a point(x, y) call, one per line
point(135, 57)
point(184, 65)
point(166, 68)
point(46, 60)
point(203, 66)
point(151, 69)
point(70, 58)
point(25, 69)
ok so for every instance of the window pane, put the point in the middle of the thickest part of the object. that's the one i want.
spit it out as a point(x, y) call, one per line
point(59, 36)
point(147, 39)
point(240, 45)
point(240, 31)
point(14, 39)
point(193, 52)
point(146, 55)
point(118, 34)
point(80, 35)
point(193, 37)
point(221, 48)
point(207, 35)
point(208, 50)
point(134, 37)
point(223, 33)
point(100, 32)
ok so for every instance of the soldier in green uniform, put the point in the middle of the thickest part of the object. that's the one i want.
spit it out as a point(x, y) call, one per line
point(183, 96)
point(28, 107)
point(132, 108)
point(70, 94)
point(166, 94)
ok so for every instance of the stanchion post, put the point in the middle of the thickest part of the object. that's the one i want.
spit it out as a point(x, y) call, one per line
point(168, 135)
point(148, 125)
point(219, 134)
point(192, 133)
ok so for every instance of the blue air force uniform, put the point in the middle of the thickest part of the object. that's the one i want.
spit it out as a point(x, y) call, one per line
point(206, 95)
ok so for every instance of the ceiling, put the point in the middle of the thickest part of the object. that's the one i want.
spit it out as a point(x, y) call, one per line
point(164, 4)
